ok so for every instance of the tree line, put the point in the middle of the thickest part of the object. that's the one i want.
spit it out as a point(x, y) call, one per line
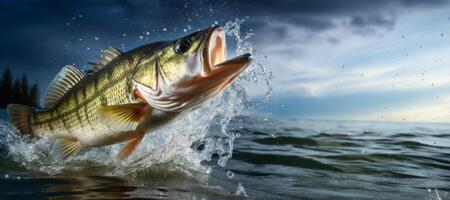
point(18, 90)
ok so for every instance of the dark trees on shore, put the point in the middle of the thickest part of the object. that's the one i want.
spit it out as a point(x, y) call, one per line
point(18, 90)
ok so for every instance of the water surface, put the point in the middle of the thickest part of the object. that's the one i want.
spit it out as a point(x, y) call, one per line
point(281, 159)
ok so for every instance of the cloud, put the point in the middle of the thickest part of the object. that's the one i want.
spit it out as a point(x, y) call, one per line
point(322, 15)
point(398, 59)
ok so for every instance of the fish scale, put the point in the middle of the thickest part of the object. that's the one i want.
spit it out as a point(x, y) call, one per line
point(76, 115)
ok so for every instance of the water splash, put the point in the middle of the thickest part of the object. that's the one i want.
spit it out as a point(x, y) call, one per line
point(175, 148)
point(240, 190)
point(437, 195)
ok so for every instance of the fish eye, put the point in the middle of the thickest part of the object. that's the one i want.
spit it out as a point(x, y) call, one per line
point(182, 46)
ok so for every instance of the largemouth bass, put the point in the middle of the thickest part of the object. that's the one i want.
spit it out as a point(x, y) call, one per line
point(128, 94)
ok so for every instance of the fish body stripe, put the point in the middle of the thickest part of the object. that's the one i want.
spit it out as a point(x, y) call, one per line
point(108, 86)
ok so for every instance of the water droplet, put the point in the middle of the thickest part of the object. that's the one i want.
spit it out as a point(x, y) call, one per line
point(184, 30)
point(88, 48)
point(67, 24)
point(215, 22)
point(164, 29)
point(230, 174)
point(147, 33)
point(96, 38)
point(141, 37)
point(80, 16)
point(124, 34)
point(442, 34)
point(241, 190)
point(222, 161)
point(6, 176)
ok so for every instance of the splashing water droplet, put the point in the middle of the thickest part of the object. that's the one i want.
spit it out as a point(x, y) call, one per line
point(96, 38)
point(241, 190)
point(230, 174)
point(164, 29)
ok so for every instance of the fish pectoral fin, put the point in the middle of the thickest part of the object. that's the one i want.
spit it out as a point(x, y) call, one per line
point(130, 146)
point(124, 117)
point(70, 147)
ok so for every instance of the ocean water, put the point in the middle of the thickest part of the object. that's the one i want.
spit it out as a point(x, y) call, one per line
point(275, 159)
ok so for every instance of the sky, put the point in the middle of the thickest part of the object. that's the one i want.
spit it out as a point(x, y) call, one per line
point(382, 60)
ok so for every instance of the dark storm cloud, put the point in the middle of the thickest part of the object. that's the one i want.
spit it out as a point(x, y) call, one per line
point(319, 15)
point(39, 37)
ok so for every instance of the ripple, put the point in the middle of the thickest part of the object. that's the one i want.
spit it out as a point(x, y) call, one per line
point(283, 160)
point(282, 140)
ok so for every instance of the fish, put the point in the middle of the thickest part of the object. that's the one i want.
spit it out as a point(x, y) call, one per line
point(126, 95)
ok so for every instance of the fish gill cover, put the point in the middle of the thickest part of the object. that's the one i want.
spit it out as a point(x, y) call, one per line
point(201, 135)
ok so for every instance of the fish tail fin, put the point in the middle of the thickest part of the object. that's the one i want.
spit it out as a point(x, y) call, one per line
point(20, 117)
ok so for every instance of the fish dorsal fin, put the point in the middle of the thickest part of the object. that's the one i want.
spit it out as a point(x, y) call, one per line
point(107, 56)
point(63, 82)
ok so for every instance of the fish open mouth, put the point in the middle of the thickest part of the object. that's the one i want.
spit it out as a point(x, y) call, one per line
point(216, 73)
point(217, 70)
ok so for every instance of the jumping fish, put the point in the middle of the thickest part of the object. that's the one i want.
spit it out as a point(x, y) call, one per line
point(128, 94)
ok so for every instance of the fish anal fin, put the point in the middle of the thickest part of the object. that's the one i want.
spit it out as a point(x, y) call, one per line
point(70, 148)
point(131, 145)
point(124, 117)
